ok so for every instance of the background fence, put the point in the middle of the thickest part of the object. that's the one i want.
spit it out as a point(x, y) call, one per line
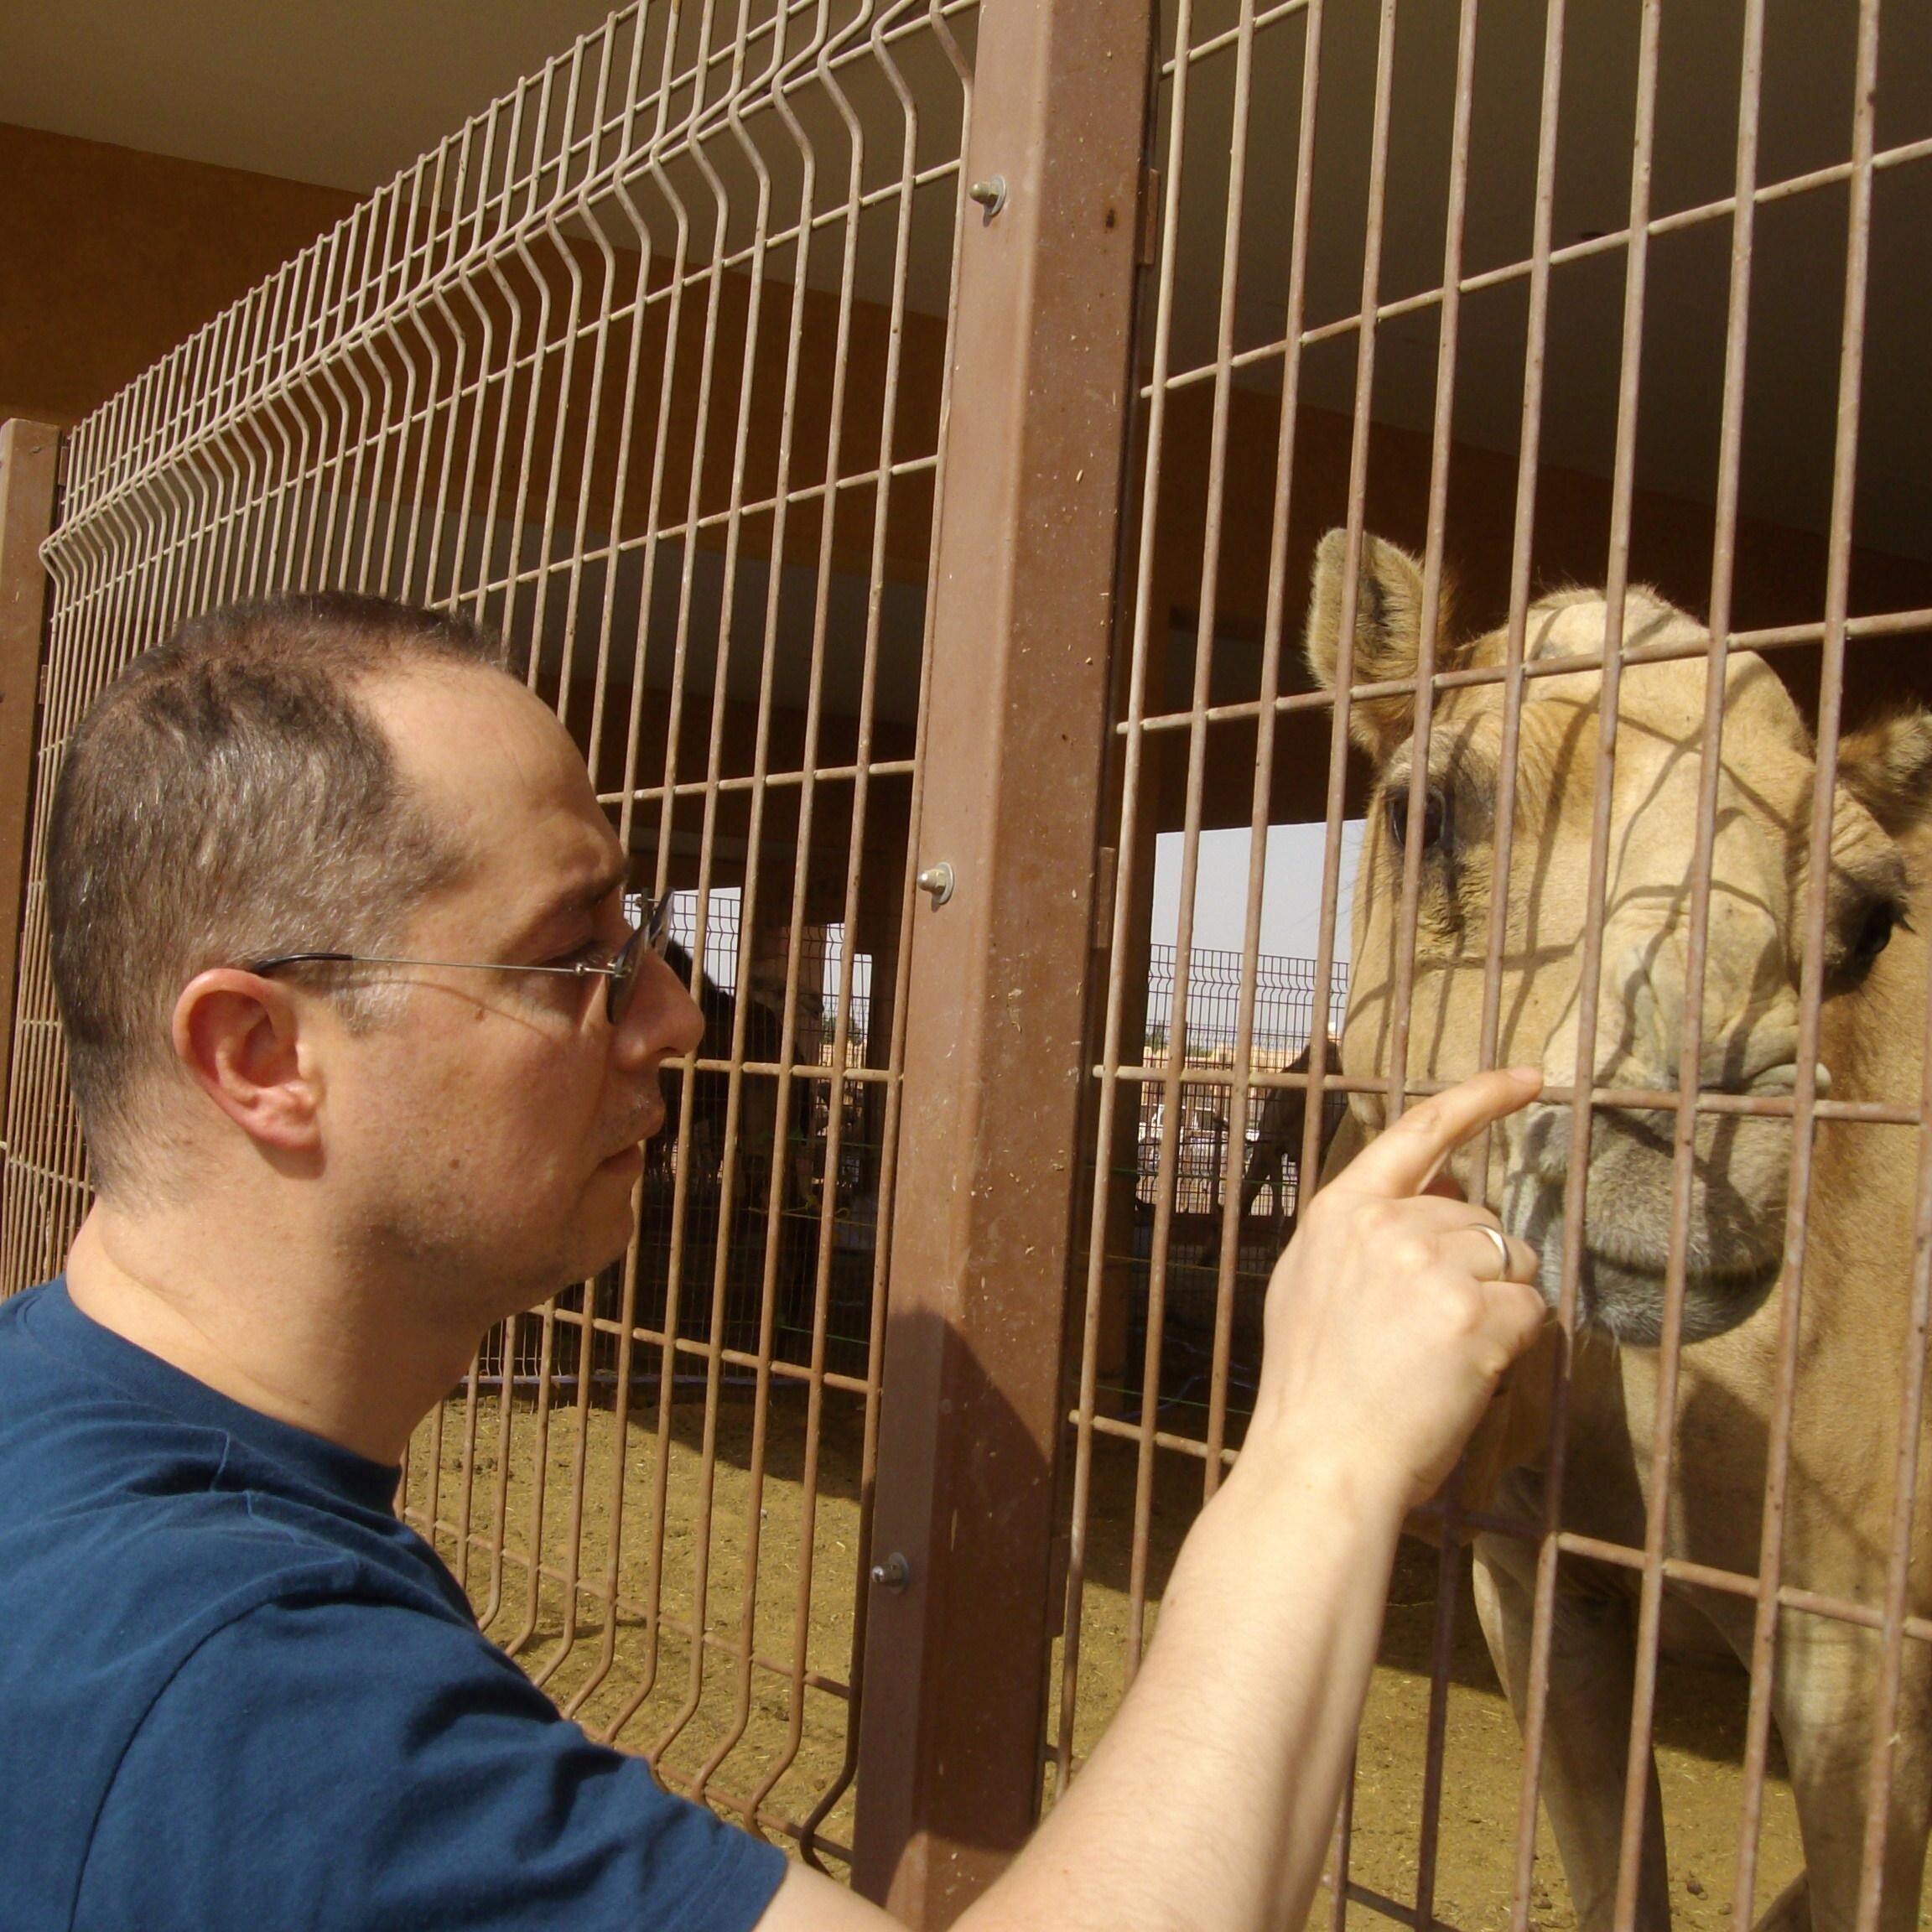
point(1284, 1006)
point(896, 434)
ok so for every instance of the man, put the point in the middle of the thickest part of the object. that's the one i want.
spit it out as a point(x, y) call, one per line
point(364, 1049)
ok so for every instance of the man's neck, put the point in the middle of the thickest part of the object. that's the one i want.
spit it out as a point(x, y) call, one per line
point(262, 1319)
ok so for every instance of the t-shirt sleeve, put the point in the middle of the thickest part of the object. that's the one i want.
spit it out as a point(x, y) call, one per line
point(335, 1764)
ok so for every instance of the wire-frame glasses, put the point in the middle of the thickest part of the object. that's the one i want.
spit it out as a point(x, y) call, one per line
point(618, 973)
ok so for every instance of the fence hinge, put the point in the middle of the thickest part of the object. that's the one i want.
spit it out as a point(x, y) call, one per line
point(1150, 217)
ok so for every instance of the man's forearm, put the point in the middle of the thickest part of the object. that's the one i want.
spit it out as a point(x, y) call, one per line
point(1209, 1801)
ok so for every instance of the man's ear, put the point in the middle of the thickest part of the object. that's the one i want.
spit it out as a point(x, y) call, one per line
point(1887, 766)
point(238, 1037)
point(1388, 629)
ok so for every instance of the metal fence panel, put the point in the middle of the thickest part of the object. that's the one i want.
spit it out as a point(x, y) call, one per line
point(1611, 296)
point(645, 368)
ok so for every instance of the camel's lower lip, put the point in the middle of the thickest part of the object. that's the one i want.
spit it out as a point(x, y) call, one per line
point(1627, 1298)
point(1654, 1268)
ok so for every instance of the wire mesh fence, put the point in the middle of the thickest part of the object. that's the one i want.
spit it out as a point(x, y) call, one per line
point(1613, 297)
point(1207, 1169)
point(645, 369)
point(1283, 1005)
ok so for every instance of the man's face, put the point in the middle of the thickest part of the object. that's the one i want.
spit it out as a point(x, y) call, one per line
point(485, 1137)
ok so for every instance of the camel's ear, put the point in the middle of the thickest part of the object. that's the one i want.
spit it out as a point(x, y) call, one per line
point(1887, 766)
point(1388, 633)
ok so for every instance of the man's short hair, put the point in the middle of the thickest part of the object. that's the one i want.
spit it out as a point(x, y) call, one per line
point(230, 796)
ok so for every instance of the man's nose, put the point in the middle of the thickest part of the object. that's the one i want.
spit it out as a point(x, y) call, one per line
point(664, 1021)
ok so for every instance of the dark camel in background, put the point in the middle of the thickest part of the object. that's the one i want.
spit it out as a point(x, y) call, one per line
point(1278, 1142)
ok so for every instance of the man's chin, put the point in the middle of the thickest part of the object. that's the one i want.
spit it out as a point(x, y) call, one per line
point(607, 1215)
point(627, 1162)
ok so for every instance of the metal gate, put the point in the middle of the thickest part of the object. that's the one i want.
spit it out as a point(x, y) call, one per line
point(896, 434)
point(1551, 296)
point(645, 369)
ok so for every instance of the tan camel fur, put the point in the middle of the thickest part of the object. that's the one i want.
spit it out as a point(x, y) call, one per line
point(1853, 1330)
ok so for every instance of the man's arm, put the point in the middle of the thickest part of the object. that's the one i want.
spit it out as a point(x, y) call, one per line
point(1209, 1800)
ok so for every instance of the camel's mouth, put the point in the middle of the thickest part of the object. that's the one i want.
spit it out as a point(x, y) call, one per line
point(1627, 1299)
point(1734, 1252)
point(1621, 1289)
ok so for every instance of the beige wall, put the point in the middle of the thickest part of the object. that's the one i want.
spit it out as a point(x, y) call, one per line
point(109, 256)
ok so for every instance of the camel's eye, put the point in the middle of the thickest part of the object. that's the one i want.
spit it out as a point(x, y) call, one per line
point(1874, 933)
point(1435, 816)
point(1864, 931)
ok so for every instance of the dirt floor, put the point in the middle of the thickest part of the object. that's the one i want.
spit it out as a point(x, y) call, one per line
point(1700, 1736)
point(734, 1731)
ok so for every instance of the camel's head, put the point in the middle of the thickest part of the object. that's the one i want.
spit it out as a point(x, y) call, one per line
point(1750, 1004)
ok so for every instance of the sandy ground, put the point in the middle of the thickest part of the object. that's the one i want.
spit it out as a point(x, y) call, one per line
point(1700, 1732)
point(736, 1732)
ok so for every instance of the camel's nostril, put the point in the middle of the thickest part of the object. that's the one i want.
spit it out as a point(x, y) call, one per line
point(1545, 1135)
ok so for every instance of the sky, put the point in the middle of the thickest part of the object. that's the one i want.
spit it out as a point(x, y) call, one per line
point(1291, 895)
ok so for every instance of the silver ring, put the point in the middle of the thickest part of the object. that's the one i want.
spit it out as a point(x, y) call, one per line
point(1502, 1246)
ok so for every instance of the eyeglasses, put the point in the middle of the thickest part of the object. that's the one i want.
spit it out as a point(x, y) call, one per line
point(618, 973)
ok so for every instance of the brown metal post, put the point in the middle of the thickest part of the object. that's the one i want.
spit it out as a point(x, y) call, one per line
point(957, 1658)
point(30, 455)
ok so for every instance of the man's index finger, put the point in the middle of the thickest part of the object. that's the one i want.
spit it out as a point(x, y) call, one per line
point(1403, 1158)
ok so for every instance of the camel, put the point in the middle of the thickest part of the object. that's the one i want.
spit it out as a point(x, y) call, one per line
point(759, 1144)
point(1853, 1324)
point(1278, 1142)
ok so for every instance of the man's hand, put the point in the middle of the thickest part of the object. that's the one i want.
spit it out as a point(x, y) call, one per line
point(1390, 1320)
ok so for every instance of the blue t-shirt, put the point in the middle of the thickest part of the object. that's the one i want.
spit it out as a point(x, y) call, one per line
point(236, 1695)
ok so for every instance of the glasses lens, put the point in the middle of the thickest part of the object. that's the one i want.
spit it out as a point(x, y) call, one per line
point(623, 978)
